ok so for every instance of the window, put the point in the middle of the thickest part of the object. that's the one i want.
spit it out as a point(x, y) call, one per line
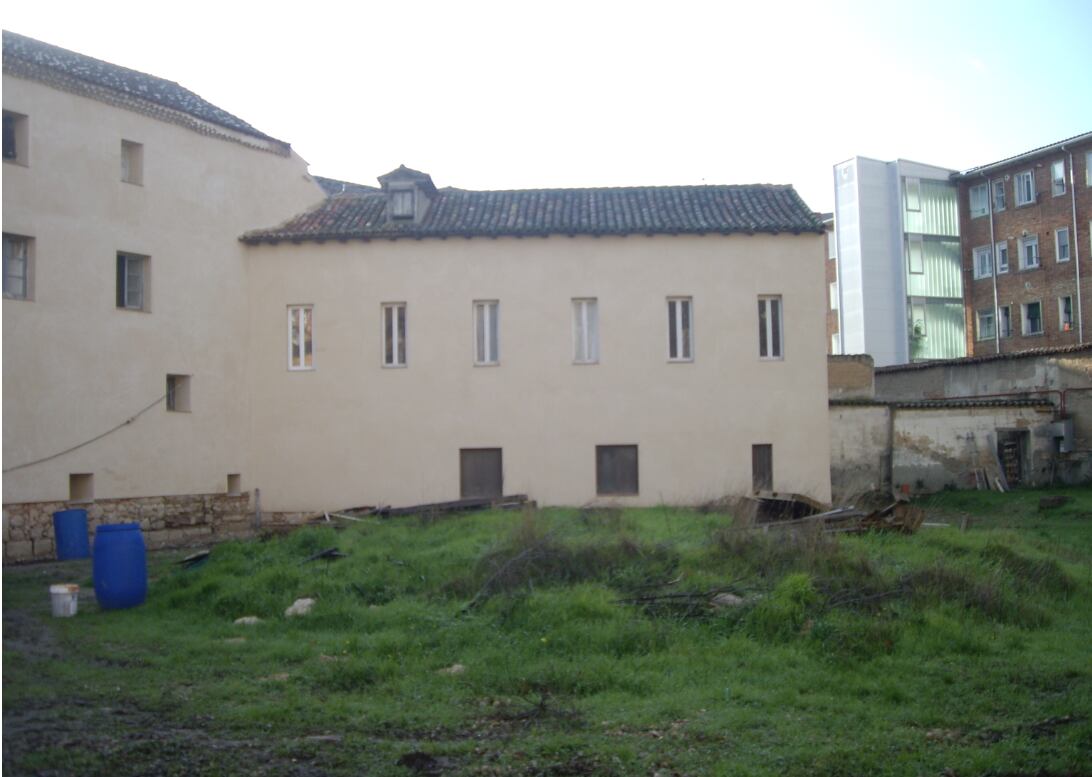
point(1088, 169)
point(17, 266)
point(913, 194)
point(769, 328)
point(402, 203)
point(81, 487)
point(616, 470)
point(585, 331)
point(178, 393)
point(486, 346)
point(980, 201)
point(834, 295)
point(132, 162)
point(835, 345)
point(917, 319)
point(762, 467)
point(1029, 252)
point(300, 325)
point(394, 334)
point(983, 262)
point(481, 473)
point(1002, 250)
point(1061, 245)
point(1033, 318)
point(915, 256)
point(1005, 321)
point(1065, 314)
point(132, 281)
point(235, 483)
point(680, 346)
point(15, 138)
point(986, 328)
point(998, 195)
point(1025, 187)
point(1057, 178)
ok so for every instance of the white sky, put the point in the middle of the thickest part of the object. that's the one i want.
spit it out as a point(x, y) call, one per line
point(495, 95)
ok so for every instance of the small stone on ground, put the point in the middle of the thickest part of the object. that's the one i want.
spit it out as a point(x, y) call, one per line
point(248, 620)
point(299, 607)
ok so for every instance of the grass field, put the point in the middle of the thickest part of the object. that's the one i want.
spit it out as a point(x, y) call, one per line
point(588, 646)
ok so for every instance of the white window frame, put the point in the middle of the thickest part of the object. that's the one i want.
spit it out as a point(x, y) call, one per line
point(1061, 313)
point(997, 196)
point(305, 322)
point(135, 277)
point(487, 325)
point(835, 344)
point(681, 349)
point(983, 316)
point(1061, 241)
point(771, 323)
point(18, 266)
point(585, 330)
point(834, 295)
point(1004, 313)
point(393, 328)
point(912, 187)
point(1088, 168)
point(1001, 250)
point(1024, 188)
point(983, 262)
point(1057, 177)
point(915, 254)
point(1026, 242)
point(1025, 320)
point(981, 194)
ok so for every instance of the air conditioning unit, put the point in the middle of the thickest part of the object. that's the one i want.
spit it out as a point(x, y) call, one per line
point(1062, 431)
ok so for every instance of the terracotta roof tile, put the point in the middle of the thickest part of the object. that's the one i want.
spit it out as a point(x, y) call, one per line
point(651, 210)
point(28, 57)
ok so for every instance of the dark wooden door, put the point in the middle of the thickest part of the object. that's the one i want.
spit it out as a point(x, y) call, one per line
point(762, 467)
point(480, 473)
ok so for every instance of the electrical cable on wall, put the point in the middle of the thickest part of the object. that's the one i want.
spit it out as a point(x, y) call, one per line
point(124, 423)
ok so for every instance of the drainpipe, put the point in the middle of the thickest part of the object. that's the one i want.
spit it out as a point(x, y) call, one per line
point(1075, 246)
point(993, 262)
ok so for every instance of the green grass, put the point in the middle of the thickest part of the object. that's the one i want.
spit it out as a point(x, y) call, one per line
point(878, 654)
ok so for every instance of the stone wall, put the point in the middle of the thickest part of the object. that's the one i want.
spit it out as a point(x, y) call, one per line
point(166, 521)
point(860, 450)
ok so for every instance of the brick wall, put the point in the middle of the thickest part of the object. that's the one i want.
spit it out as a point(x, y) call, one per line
point(832, 276)
point(166, 521)
point(850, 377)
point(1051, 280)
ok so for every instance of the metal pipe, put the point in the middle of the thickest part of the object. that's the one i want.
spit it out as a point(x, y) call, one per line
point(993, 253)
point(1075, 245)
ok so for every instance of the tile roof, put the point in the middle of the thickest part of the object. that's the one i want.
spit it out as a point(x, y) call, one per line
point(1060, 350)
point(648, 210)
point(940, 404)
point(32, 58)
point(333, 187)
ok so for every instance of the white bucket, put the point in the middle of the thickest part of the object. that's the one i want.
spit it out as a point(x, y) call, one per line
point(65, 598)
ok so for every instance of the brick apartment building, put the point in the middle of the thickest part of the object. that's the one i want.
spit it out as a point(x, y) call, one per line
point(833, 346)
point(1024, 226)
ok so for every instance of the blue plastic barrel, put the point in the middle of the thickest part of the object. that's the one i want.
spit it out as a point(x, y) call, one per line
point(70, 534)
point(119, 569)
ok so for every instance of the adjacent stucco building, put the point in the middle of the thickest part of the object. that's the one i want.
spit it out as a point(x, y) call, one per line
point(394, 344)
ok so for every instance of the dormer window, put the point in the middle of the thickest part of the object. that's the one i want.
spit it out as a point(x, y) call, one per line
point(402, 204)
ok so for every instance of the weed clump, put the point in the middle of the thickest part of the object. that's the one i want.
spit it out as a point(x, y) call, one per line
point(781, 615)
point(1044, 574)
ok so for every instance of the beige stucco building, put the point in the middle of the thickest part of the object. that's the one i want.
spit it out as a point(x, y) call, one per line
point(388, 345)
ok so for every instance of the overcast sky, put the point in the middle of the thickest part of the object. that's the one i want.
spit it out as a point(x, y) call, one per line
point(503, 95)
